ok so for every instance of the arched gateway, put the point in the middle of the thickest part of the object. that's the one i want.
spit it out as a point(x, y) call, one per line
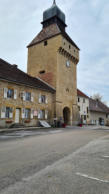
point(66, 115)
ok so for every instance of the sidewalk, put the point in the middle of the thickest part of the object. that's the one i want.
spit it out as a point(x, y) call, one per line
point(10, 130)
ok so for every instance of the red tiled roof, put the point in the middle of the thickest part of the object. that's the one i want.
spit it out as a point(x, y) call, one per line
point(49, 32)
point(47, 77)
point(80, 93)
point(12, 73)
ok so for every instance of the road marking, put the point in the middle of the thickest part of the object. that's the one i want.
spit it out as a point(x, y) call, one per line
point(105, 156)
point(56, 131)
point(93, 178)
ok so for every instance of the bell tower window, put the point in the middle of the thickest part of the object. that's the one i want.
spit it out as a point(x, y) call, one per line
point(45, 43)
point(67, 63)
point(42, 72)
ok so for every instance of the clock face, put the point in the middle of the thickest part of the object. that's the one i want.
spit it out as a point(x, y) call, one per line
point(68, 63)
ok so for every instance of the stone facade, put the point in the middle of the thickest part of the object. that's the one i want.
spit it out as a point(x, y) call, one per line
point(38, 110)
point(56, 63)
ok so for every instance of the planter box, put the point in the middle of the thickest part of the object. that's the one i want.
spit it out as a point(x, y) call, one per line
point(27, 121)
point(9, 122)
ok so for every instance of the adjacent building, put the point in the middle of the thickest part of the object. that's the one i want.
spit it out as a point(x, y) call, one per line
point(83, 107)
point(23, 99)
point(93, 112)
point(98, 112)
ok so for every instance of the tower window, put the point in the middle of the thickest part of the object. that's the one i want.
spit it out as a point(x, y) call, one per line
point(69, 47)
point(42, 72)
point(67, 90)
point(45, 43)
point(68, 63)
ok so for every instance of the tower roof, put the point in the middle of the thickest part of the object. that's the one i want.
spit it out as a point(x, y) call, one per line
point(53, 11)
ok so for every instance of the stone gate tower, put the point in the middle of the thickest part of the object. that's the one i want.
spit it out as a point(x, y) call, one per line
point(53, 57)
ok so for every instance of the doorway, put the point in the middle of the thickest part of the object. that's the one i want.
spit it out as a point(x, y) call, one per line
point(17, 115)
point(66, 115)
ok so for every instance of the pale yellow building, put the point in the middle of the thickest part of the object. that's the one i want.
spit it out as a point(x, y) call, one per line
point(24, 100)
point(53, 56)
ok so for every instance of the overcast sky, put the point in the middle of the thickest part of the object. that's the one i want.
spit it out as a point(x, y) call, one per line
point(88, 26)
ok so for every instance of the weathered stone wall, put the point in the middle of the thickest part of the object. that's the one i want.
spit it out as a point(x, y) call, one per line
point(44, 58)
point(52, 59)
point(20, 104)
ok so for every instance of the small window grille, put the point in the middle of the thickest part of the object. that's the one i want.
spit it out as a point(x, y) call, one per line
point(42, 72)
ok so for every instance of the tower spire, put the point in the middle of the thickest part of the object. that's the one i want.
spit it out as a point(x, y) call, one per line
point(54, 2)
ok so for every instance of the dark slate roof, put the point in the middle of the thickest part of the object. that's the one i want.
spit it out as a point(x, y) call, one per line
point(53, 11)
point(12, 73)
point(80, 93)
point(98, 106)
point(49, 32)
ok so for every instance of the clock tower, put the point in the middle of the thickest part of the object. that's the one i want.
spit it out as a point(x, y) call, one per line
point(53, 56)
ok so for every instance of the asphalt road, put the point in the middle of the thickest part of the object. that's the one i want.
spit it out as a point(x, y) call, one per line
point(64, 162)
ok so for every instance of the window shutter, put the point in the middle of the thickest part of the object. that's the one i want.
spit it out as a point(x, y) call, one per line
point(32, 113)
point(40, 98)
point(11, 113)
point(46, 100)
point(46, 114)
point(5, 92)
point(32, 97)
point(24, 96)
point(3, 110)
point(15, 94)
point(23, 113)
point(39, 115)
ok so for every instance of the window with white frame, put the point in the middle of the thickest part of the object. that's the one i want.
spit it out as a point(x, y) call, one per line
point(28, 96)
point(27, 113)
point(41, 114)
point(43, 99)
point(8, 112)
point(10, 93)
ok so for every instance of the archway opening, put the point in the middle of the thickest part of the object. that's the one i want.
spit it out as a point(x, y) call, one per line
point(66, 115)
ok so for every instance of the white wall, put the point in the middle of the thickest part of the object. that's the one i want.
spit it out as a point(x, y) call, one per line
point(94, 117)
point(83, 107)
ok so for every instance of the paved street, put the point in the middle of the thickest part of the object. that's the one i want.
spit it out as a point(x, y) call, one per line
point(60, 162)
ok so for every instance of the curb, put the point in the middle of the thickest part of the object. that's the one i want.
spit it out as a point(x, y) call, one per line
point(10, 130)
